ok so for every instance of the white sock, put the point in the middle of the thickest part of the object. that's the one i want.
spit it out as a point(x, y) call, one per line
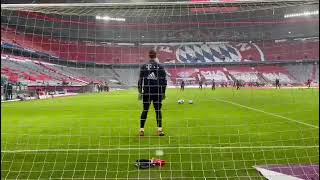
point(159, 128)
point(141, 129)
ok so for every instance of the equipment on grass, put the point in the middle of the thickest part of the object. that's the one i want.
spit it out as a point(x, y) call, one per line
point(190, 102)
point(141, 133)
point(160, 133)
point(146, 163)
point(180, 101)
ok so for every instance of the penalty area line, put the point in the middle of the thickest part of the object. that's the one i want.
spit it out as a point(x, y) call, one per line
point(155, 148)
point(269, 113)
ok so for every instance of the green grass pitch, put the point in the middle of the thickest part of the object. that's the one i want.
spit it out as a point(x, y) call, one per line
point(221, 136)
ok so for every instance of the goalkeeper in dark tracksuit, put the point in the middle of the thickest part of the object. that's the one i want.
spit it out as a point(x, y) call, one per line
point(152, 87)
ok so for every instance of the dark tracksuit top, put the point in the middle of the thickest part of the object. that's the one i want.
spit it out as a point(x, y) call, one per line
point(152, 79)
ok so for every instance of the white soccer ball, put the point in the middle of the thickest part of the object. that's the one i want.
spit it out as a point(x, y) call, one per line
point(159, 152)
point(180, 101)
point(190, 102)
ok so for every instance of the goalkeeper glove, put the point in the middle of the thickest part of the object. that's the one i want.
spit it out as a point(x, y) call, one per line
point(146, 163)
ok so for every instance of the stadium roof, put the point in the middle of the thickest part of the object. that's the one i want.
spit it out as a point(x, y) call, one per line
point(161, 8)
point(161, 21)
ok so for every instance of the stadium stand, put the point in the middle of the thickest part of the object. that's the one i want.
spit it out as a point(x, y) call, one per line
point(246, 74)
point(260, 74)
point(301, 73)
point(283, 50)
point(25, 46)
point(126, 53)
point(271, 73)
point(32, 72)
point(20, 69)
point(192, 75)
point(87, 74)
point(127, 76)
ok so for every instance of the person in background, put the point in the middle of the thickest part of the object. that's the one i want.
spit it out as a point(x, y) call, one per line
point(9, 91)
point(182, 85)
point(106, 86)
point(213, 85)
point(200, 84)
point(309, 83)
point(277, 83)
point(238, 84)
point(5, 91)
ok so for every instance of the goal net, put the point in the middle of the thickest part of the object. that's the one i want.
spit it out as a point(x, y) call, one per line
point(241, 100)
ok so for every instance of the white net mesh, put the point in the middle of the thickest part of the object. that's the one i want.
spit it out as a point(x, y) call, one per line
point(52, 50)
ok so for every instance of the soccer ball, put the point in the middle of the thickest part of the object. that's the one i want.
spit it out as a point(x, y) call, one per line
point(180, 101)
point(190, 102)
point(159, 152)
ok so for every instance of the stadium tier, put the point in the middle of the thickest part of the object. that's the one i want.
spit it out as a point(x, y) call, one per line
point(33, 72)
point(132, 53)
point(28, 45)
point(21, 69)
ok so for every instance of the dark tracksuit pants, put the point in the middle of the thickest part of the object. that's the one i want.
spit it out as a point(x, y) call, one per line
point(147, 99)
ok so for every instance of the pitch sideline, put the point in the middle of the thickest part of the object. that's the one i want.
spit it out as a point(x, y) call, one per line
point(269, 113)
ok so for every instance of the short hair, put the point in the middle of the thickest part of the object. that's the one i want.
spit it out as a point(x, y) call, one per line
point(152, 53)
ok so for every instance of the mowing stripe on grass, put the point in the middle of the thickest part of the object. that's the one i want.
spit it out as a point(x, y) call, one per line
point(155, 148)
point(271, 114)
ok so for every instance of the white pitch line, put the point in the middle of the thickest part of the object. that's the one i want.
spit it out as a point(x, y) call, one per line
point(269, 113)
point(156, 148)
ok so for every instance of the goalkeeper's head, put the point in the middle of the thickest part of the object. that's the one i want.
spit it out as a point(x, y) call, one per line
point(152, 54)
